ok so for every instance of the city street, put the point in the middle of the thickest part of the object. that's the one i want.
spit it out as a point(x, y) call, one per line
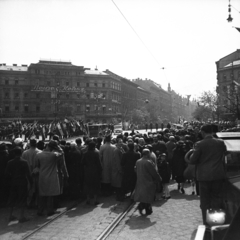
point(176, 218)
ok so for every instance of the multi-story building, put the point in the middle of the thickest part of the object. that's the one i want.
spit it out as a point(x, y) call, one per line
point(14, 90)
point(56, 89)
point(129, 95)
point(159, 100)
point(228, 83)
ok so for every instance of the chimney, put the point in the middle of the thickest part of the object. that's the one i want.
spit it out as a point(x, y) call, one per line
point(15, 65)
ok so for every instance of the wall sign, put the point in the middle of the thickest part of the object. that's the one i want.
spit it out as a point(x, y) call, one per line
point(38, 88)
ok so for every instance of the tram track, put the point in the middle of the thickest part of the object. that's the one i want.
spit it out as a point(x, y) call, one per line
point(106, 232)
point(51, 220)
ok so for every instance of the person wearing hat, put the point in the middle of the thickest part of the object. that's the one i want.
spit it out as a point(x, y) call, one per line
point(49, 182)
point(147, 180)
point(208, 156)
point(75, 171)
point(29, 155)
point(107, 156)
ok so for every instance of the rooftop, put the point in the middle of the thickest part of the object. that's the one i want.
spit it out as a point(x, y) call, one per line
point(234, 63)
point(5, 67)
point(52, 61)
point(94, 72)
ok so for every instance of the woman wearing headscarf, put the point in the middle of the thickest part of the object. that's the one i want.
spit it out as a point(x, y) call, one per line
point(147, 179)
point(128, 162)
point(179, 164)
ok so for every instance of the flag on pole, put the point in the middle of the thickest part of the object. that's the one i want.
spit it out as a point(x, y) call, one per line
point(59, 129)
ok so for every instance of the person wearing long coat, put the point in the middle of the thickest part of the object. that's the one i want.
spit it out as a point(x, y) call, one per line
point(92, 172)
point(116, 177)
point(49, 184)
point(106, 156)
point(179, 165)
point(147, 179)
point(75, 170)
point(128, 163)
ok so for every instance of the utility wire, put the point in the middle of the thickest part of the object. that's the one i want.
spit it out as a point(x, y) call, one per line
point(137, 34)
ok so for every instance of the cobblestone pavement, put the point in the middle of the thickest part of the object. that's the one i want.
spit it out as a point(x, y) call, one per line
point(176, 218)
point(82, 222)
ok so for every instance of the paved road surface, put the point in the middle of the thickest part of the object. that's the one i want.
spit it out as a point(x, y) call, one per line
point(175, 219)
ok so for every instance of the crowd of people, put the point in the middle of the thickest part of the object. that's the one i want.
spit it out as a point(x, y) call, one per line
point(135, 165)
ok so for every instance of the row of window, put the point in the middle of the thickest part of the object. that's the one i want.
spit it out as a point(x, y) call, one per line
point(113, 85)
point(6, 82)
point(80, 108)
point(230, 75)
point(15, 95)
point(66, 73)
point(17, 108)
point(93, 95)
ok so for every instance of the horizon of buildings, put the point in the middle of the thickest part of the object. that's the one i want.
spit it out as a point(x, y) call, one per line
point(52, 89)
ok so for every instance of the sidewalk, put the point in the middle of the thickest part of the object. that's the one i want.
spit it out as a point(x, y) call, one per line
point(174, 219)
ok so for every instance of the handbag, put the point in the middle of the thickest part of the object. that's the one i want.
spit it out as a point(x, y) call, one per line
point(190, 172)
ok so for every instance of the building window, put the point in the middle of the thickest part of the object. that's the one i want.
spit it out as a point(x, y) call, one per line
point(78, 95)
point(25, 107)
point(103, 85)
point(25, 95)
point(16, 95)
point(17, 108)
point(6, 95)
point(67, 95)
point(37, 108)
point(87, 84)
point(78, 84)
point(7, 108)
point(16, 82)
point(95, 85)
point(67, 83)
point(37, 71)
point(37, 95)
point(6, 82)
point(79, 108)
point(48, 83)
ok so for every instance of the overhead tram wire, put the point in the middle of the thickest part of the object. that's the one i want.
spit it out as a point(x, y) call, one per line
point(161, 67)
point(137, 34)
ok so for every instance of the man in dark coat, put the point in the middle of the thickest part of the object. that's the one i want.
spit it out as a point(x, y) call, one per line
point(128, 162)
point(19, 172)
point(92, 172)
point(208, 155)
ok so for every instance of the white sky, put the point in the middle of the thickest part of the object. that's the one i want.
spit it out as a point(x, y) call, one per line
point(186, 37)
